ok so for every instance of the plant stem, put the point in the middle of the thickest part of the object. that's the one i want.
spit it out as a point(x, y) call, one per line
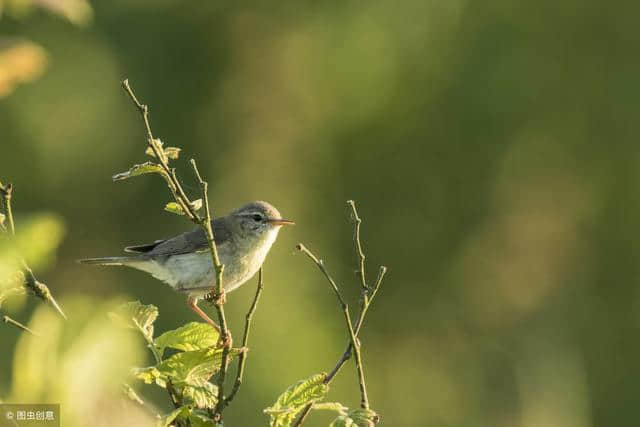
point(322, 268)
point(169, 174)
point(9, 320)
point(219, 292)
point(245, 339)
point(173, 394)
point(354, 344)
point(367, 297)
point(7, 193)
point(39, 289)
point(205, 222)
point(358, 245)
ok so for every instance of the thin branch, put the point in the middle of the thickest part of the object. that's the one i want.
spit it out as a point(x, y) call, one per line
point(205, 222)
point(9, 320)
point(374, 292)
point(358, 245)
point(368, 295)
point(39, 289)
point(245, 339)
point(355, 345)
point(169, 174)
point(7, 193)
point(219, 294)
point(322, 268)
point(176, 400)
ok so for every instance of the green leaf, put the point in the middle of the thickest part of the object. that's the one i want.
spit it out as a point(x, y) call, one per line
point(175, 208)
point(202, 396)
point(181, 412)
point(2, 218)
point(136, 316)
point(151, 375)
point(356, 418)
point(142, 169)
point(201, 420)
point(172, 152)
point(294, 399)
point(190, 337)
point(331, 406)
point(194, 367)
point(169, 152)
point(342, 421)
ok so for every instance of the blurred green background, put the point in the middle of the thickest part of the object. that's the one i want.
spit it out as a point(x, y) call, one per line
point(491, 148)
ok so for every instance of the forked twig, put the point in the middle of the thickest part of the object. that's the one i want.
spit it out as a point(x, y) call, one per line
point(367, 296)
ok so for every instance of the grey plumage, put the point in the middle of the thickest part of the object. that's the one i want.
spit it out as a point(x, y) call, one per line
point(243, 239)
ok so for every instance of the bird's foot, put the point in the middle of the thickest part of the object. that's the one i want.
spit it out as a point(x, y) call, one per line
point(217, 298)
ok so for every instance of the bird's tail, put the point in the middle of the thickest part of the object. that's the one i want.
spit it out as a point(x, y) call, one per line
point(112, 260)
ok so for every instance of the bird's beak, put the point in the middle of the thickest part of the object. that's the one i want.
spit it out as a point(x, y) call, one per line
point(280, 221)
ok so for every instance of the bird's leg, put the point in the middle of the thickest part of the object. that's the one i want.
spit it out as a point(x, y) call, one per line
point(224, 341)
point(193, 303)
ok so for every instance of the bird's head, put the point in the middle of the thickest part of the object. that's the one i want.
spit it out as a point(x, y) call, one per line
point(258, 219)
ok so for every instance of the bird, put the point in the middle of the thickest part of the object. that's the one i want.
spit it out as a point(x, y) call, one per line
point(243, 238)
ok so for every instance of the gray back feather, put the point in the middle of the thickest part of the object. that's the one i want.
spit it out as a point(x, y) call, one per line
point(191, 241)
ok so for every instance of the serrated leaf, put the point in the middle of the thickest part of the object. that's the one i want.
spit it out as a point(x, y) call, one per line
point(175, 208)
point(190, 337)
point(356, 418)
point(193, 368)
point(203, 396)
point(295, 398)
point(142, 169)
point(135, 315)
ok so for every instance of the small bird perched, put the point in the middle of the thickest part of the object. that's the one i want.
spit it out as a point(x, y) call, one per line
point(243, 239)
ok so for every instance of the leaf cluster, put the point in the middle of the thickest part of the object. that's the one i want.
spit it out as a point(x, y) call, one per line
point(186, 360)
point(311, 391)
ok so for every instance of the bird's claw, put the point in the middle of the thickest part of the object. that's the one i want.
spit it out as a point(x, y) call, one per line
point(221, 298)
point(217, 298)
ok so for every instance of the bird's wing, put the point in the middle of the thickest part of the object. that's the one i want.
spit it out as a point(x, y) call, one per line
point(191, 241)
point(140, 249)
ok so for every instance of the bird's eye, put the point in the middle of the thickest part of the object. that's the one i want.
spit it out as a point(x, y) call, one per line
point(257, 217)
